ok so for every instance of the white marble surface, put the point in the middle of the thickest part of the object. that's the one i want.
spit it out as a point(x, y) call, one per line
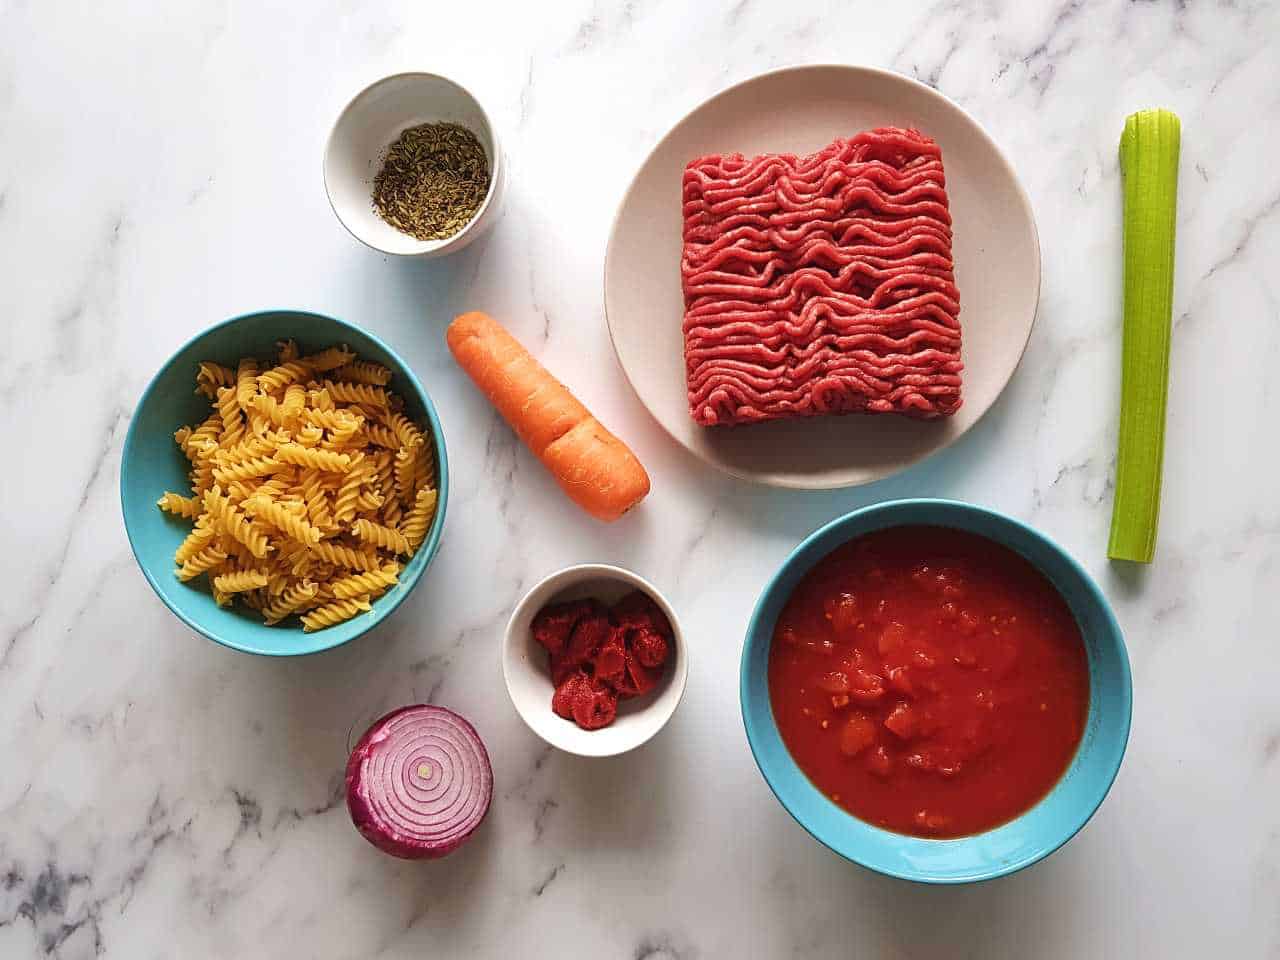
point(164, 797)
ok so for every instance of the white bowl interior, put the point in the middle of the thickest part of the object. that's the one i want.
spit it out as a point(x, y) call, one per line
point(527, 672)
point(369, 124)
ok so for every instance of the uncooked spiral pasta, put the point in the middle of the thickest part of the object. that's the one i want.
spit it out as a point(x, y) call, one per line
point(202, 535)
point(295, 399)
point(284, 519)
point(210, 376)
point(356, 393)
point(293, 599)
point(202, 477)
point(246, 449)
point(392, 512)
point(363, 371)
point(381, 536)
point(203, 436)
point(348, 499)
point(245, 469)
point(179, 505)
point(406, 430)
point(425, 471)
point(419, 519)
point(202, 562)
point(406, 470)
point(330, 359)
point(334, 613)
point(240, 581)
point(384, 465)
point(369, 501)
point(267, 408)
point(279, 377)
point(336, 421)
point(315, 459)
point(315, 497)
point(232, 421)
point(230, 520)
point(312, 436)
point(320, 399)
point(309, 485)
point(346, 556)
point(246, 381)
point(370, 584)
point(381, 436)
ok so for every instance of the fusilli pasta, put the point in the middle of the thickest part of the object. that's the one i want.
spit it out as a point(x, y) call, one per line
point(310, 486)
point(210, 376)
point(240, 581)
point(294, 598)
point(179, 505)
point(315, 459)
point(369, 584)
point(381, 536)
point(333, 613)
point(419, 519)
point(363, 371)
point(246, 382)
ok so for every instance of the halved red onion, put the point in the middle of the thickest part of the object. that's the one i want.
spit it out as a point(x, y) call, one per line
point(419, 782)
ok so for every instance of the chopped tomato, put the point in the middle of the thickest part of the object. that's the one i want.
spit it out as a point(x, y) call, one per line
point(891, 638)
point(858, 733)
point(834, 682)
point(902, 720)
point(844, 616)
point(866, 687)
point(929, 681)
point(900, 680)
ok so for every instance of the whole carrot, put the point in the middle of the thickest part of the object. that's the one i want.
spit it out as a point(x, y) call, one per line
point(596, 469)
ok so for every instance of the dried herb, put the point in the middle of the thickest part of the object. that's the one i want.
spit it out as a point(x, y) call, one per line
point(434, 178)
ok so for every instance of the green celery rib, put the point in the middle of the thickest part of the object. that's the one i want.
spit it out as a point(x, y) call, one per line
point(1149, 164)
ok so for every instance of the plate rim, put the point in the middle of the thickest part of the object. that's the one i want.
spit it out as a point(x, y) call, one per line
point(1020, 190)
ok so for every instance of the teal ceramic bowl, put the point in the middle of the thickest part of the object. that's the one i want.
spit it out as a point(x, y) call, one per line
point(152, 463)
point(1007, 848)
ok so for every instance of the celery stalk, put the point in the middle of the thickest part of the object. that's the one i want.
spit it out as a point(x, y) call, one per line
point(1149, 165)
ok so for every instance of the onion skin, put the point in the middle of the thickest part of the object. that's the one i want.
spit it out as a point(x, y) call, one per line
point(397, 809)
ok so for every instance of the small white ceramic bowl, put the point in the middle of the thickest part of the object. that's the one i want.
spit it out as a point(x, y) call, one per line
point(370, 123)
point(528, 676)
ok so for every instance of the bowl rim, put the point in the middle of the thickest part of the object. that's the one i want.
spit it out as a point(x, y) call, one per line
point(425, 247)
point(756, 725)
point(429, 546)
point(601, 571)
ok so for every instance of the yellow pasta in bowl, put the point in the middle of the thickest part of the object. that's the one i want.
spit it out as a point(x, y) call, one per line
point(305, 487)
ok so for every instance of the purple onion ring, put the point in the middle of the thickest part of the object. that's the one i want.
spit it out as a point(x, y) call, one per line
point(419, 782)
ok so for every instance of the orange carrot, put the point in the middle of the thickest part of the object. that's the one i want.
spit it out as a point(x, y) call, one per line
point(596, 469)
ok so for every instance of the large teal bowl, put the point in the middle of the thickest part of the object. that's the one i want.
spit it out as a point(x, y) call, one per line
point(152, 463)
point(1017, 844)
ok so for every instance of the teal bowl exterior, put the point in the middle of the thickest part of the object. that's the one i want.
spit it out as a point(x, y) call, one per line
point(152, 463)
point(1004, 849)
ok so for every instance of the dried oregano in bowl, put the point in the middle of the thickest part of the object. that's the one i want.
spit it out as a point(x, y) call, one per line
point(433, 180)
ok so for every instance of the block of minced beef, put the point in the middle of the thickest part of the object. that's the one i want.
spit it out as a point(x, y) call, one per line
point(820, 284)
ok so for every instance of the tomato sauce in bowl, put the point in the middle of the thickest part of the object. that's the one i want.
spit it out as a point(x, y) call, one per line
point(929, 681)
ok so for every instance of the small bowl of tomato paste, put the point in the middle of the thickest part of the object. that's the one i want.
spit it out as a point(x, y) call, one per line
point(594, 660)
point(936, 691)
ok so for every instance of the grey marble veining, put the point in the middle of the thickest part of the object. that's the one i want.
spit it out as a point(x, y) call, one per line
point(162, 797)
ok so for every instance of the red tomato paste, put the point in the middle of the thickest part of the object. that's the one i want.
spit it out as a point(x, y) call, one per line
point(929, 681)
point(602, 654)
